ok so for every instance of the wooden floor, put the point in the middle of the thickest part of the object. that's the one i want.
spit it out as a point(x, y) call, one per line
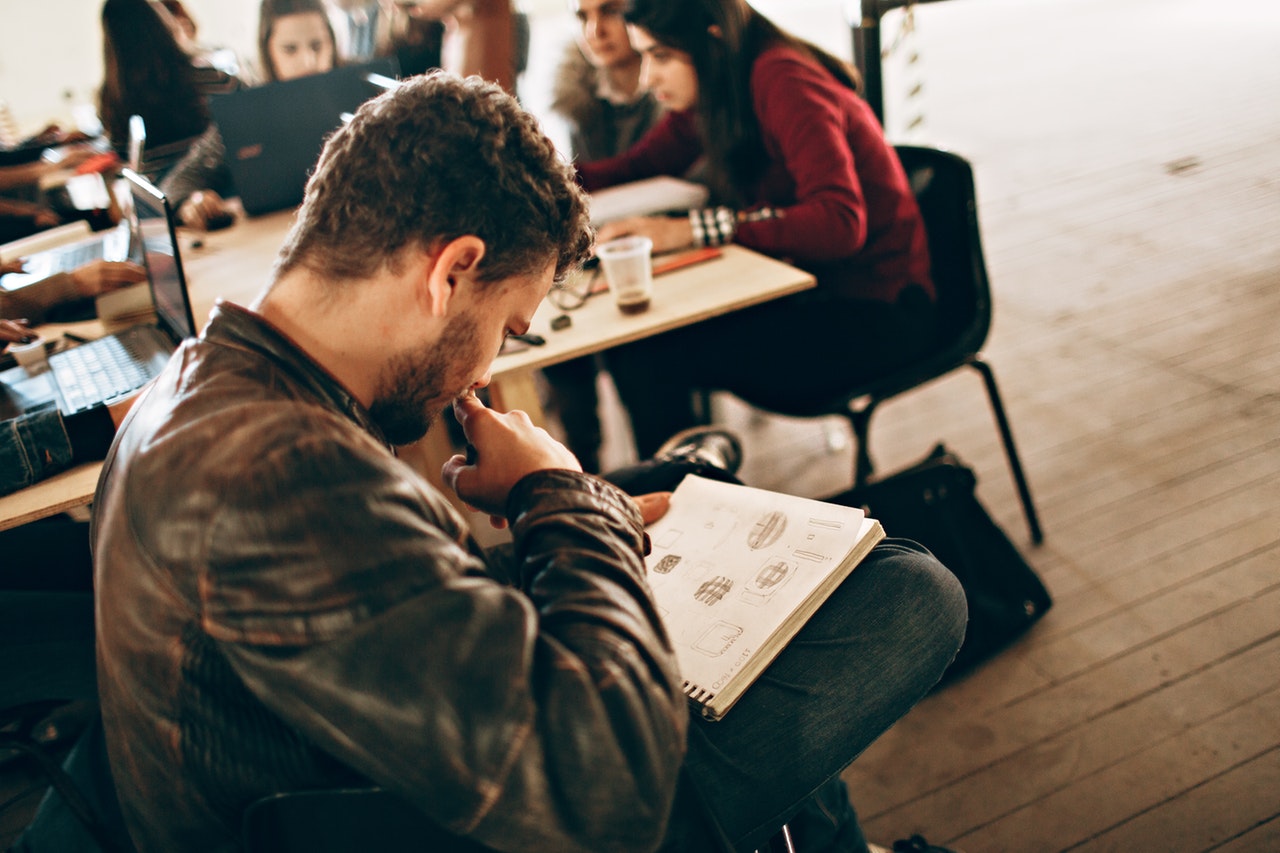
point(1128, 162)
point(1128, 172)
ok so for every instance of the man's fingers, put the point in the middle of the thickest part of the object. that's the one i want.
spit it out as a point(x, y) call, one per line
point(653, 506)
point(466, 405)
point(452, 469)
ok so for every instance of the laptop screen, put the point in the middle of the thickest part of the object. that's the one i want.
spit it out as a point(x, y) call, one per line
point(153, 228)
point(274, 133)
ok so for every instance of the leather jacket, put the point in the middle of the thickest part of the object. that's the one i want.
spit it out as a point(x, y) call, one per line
point(285, 605)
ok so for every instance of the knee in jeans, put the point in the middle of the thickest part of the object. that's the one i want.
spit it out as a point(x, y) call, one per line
point(927, 589)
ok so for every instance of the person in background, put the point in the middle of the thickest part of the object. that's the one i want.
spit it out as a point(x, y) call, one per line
point(23, 209)
point(798, 169)
point(295, 39)
point(598, 93)
point(597, 88)
point(338, 625)
point(147, 73)
point(364, 27)
point(188, 36)
point(183, 25)
point(485, 37)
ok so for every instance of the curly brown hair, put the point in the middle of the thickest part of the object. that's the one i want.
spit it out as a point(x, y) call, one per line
point(437, 158)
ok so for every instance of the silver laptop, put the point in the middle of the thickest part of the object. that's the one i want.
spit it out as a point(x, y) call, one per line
point(114, 245)
point(114, 366)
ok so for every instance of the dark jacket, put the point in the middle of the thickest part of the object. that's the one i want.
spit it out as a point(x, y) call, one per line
point(283, 605)
point(598, 126)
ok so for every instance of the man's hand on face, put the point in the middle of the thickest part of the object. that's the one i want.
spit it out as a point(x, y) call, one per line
point(507, 446)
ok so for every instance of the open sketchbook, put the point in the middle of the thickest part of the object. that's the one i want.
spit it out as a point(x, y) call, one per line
point(737, 571)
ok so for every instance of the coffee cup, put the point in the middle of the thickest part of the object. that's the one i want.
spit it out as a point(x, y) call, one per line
point(628, 267)
point(31, 355)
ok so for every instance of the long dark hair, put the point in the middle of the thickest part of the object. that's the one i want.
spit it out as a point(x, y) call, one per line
point(273, 10)
point(146, 72)
point(722, 58)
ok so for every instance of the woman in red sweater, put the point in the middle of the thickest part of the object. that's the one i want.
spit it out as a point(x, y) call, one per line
point(799, 170)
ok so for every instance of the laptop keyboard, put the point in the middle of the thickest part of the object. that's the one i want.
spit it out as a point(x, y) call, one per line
point(76, 257)
point(99, 371)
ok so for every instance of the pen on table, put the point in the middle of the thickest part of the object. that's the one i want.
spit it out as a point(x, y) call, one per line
point(80, 339)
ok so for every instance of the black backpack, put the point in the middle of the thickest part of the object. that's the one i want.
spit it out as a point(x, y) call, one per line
point(933, 503)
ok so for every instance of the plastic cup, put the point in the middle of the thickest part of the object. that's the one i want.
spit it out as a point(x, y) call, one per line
point(628, 267)
point(30, 356)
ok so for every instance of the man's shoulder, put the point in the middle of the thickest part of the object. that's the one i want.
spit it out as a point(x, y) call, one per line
point(229, 440)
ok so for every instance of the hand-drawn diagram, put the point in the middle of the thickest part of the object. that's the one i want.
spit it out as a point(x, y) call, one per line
point(717, 639)
point(766, 530)
point(710, 592)
point(666, 564)
point(730, 569)
point(771, 577)
point(712, 533)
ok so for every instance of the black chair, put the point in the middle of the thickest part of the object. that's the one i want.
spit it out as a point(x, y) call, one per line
point(345, 819)
point(944, 187)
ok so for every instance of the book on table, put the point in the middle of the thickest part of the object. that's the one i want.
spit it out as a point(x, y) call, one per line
point(737, 571)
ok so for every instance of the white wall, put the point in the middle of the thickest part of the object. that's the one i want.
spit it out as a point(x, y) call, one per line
point(51, 50)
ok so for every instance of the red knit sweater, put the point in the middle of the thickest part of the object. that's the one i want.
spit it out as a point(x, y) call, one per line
point(847, 213)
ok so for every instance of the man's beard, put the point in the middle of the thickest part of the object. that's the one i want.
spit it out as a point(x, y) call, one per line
point(415, 387)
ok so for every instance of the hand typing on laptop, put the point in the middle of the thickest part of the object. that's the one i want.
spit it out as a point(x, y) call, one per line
point(102, 276)
point(31, 303)
point(15, 332)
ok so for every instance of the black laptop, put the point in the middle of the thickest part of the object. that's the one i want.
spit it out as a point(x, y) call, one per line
point(274, 133)
point(114, 366)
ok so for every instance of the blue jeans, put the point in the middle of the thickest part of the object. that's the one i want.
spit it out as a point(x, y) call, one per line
point(873, 650)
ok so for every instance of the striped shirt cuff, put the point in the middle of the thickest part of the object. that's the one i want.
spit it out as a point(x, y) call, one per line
point(715, 226)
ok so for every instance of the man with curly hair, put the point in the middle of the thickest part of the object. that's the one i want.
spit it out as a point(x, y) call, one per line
point(283, 605)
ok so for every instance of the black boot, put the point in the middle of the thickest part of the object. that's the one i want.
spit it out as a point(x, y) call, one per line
point(703, 444)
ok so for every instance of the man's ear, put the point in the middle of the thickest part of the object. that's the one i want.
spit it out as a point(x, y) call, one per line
point(453, 263)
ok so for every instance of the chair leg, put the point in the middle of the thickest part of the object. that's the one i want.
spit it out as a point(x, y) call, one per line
point(782, 843)
point(1010, 449)
point(860, 420)
point(702, 406)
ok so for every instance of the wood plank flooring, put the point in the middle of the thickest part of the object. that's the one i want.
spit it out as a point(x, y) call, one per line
point(1129, 190)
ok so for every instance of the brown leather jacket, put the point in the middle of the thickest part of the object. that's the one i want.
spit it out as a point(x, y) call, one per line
point(283, 605)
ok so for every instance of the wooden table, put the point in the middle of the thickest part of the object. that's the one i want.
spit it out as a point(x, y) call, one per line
point(737, 279)
point(234, 264)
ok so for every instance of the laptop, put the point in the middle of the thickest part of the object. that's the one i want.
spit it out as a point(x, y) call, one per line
point(113, 366)
point(274, 133)
point(114, 245)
